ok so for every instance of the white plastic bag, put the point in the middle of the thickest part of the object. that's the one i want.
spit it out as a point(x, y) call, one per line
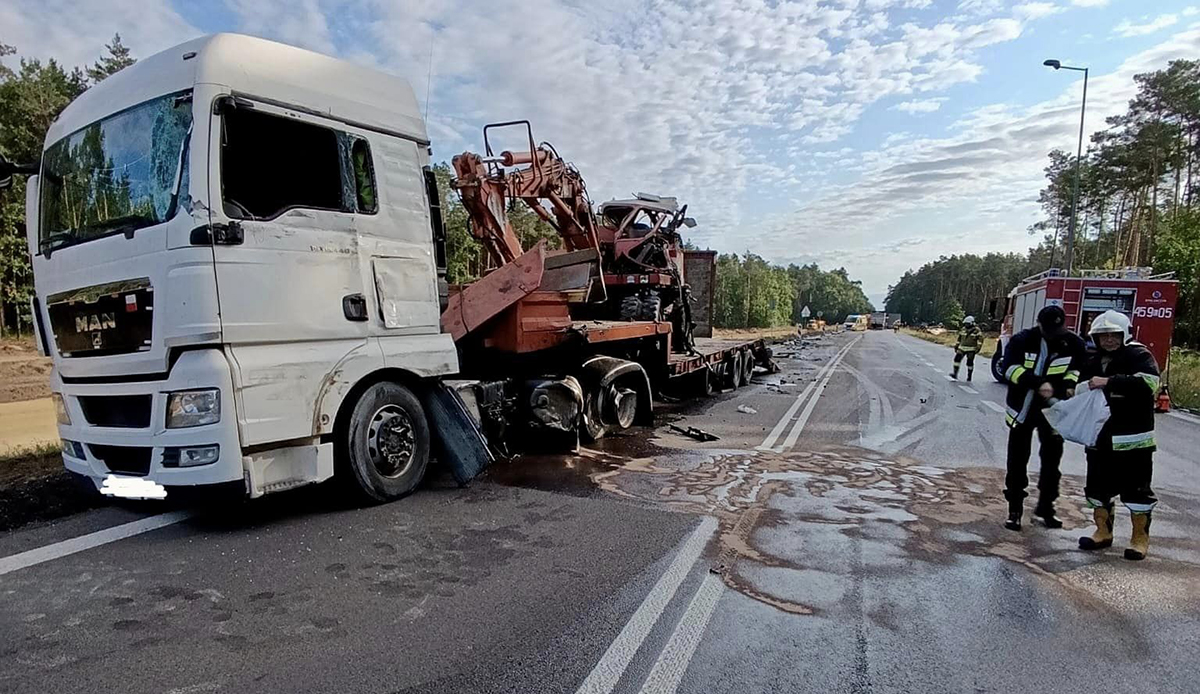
point(1080, 418)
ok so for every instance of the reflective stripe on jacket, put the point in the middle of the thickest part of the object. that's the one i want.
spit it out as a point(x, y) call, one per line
point(1133, 382)
point(1030, 359)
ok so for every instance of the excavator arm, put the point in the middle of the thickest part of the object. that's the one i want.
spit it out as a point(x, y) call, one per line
point(486, 184)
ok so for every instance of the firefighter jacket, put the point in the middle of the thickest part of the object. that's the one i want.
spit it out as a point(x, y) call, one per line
point(1031, 359)
point(1132, 387)
point(970, 338)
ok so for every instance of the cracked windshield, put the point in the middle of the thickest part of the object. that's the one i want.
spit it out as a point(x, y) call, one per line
point(546, 346)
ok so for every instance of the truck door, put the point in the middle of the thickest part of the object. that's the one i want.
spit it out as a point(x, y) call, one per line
point(287, 260)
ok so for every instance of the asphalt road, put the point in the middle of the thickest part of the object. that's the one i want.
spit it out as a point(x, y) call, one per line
point(843, 535)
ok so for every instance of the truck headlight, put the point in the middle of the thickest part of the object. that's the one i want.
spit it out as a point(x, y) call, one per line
point(193, 408)
point(60, 409)
point(190, 456)
point(73, 449)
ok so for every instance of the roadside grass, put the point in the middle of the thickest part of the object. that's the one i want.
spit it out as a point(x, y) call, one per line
point(34, 486)
point(949, 339)
point(1183, 375)
point(755, 333)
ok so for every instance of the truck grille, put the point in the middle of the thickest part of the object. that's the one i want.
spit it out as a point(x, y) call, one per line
point(113, 318)
point(128, 460)
point(130, 411)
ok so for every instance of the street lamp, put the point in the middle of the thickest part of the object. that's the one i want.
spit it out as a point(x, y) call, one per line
point(1057, 65)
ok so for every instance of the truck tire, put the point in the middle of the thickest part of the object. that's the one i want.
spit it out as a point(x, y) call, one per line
point(631, 308)
point(386, 448)
point(998, 366)
point(651, 306)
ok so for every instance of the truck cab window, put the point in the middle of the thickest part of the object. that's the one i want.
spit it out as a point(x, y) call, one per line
point(364, 177)
point(271, 164)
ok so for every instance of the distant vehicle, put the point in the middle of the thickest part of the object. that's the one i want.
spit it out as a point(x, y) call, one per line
point(856, 321)
point(878, 320)
point(1148, 299)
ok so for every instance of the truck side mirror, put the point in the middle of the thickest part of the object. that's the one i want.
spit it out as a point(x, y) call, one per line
point(9, 169)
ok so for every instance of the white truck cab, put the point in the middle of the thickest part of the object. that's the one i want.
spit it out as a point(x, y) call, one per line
point(237, 266)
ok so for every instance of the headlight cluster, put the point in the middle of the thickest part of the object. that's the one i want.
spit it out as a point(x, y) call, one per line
point(193, 408)
point(60, 409)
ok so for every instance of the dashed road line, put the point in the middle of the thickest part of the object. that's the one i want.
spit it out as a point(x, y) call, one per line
point(608, 671)
point(75, 545)
point(994, 406)
point(968, 389)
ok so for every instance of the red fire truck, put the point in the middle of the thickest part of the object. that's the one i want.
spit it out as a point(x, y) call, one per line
point(1148, 299)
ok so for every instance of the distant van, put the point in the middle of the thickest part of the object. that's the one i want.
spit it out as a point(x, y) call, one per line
point(856, 321)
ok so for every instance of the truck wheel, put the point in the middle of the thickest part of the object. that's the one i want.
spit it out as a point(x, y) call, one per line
point(651, 306)
point(707, 380)
point(631, 308)
point(387, 444)
point(998, 366)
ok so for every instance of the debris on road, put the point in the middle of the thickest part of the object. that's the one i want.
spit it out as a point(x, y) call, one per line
point(745, 409)
point(693, 432)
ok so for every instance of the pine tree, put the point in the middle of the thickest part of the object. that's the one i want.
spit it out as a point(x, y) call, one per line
point(118, 58)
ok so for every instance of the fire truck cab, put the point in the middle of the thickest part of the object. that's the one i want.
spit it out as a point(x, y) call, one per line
point(1148, 299)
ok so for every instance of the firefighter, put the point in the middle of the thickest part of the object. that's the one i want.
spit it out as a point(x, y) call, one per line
point(1041, 364)
point(970, 340)
point(1121, 463)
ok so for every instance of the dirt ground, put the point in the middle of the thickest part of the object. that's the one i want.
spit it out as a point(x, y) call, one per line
point(23, 374)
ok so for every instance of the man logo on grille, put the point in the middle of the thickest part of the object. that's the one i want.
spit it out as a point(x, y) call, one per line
point(95, 322)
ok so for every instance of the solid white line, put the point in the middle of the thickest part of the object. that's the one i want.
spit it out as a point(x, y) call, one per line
point(812, 403)
point(58, 550)
point(994, 406)
point(604, 677)
point(672, 663)
point(769, 442)
point(968, 389)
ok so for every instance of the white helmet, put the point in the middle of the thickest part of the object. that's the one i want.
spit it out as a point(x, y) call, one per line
point(969, 320)
point(1111, 322)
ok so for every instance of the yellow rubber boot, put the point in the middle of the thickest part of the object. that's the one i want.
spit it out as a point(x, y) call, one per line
point(1140, 544)
point(1103, 537)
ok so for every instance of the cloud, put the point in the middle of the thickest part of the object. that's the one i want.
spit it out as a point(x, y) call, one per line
point(75, 31)
point(1036, 10)
point(1089, 3)
point(919, 105)
point(1162, 21)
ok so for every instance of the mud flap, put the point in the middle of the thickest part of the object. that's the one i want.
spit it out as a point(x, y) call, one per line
point(457, 439)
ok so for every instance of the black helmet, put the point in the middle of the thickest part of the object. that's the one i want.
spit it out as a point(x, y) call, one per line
point(1052, 318)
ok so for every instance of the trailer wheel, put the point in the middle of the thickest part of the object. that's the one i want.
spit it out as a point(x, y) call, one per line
point(733, 371)
point(748, 364)
point(386, 449)
point(707, 380)
point(631, 308)
point(998, 365)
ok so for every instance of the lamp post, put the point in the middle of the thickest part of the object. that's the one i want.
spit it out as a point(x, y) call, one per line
point(1057, 65)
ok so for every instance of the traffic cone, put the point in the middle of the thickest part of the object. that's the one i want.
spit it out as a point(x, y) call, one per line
point(1163, 404)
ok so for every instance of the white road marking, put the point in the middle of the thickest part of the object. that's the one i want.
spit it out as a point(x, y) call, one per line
point(994, 406)
point(58, 550)
point(672, 663)
point(604, 677)
point(812, 403)
point(968, 389)
point(949, 377)
point(930, 365)
point(777, 431)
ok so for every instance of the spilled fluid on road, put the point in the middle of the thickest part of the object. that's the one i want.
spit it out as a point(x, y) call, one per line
point(798, 529)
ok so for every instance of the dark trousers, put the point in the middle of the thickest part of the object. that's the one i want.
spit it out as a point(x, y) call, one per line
point(1126, 473)
point(958, 357)
point(1020, 444)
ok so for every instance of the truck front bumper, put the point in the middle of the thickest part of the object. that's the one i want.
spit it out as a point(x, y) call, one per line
point(119, 428)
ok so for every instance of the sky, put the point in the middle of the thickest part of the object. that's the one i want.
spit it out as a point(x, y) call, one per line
point(874, 135)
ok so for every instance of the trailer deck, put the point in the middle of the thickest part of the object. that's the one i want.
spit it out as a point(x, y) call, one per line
point(710, 351)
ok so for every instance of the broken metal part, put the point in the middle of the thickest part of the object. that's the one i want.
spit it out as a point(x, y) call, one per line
point(693, 432)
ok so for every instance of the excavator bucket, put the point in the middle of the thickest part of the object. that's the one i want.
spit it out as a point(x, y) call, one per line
point(489, 296)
